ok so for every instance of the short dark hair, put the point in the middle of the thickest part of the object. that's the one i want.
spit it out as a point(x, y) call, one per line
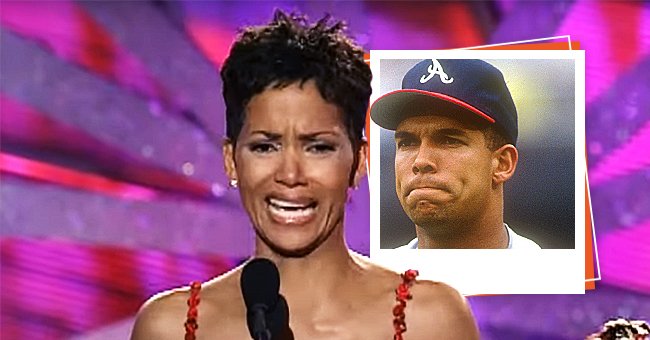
point(494, 138)
point(289, 50)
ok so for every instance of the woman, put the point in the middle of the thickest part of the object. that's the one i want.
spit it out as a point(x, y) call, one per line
point(296, 98)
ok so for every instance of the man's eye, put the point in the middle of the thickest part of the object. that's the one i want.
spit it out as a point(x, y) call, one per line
point(402, 143)
point(263, 147)
point(450, 141)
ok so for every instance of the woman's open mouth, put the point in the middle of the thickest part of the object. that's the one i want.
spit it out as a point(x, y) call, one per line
point(286, 211)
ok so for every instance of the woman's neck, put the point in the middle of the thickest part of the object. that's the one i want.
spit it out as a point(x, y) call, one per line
point(317, 274)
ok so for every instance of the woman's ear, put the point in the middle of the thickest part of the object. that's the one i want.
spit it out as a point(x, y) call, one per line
point(360, 169)
point(504, 163)
point(228, 150)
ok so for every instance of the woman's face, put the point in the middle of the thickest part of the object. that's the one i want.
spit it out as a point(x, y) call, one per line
point(293, 161)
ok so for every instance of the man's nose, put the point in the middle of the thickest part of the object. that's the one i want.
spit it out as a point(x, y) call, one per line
point(425, 160)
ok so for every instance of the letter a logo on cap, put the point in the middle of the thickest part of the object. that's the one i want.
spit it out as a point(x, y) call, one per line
point(436, 68)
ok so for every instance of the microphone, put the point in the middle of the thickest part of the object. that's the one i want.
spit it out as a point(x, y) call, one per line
point(267, 313)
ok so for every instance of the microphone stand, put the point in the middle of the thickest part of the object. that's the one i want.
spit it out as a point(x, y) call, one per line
point(261, 332)
point(266, 335)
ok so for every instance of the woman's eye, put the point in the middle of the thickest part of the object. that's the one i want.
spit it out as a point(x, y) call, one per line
point(263, 147)
point(321, 148)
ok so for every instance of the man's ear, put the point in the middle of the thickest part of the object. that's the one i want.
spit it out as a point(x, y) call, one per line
point(504, 163)
point(228, 150)
point(360, 169)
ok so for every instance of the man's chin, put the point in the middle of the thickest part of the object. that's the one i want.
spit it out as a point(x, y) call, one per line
point(426, 210)
point(428, 217)
point(429, 222)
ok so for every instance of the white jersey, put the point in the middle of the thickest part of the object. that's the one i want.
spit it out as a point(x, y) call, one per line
point(515, 241)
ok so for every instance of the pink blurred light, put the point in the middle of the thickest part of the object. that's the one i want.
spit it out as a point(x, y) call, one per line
point(55, 289)
point(632, 156)
point(46, 22)
point(29, 127)
point(213, 40)
point(624, 257)
point(612, 34)
point(81, 180)
point(74, 35)
point(460, 27)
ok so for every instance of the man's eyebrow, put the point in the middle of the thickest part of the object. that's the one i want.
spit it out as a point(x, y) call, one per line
point(451, 132)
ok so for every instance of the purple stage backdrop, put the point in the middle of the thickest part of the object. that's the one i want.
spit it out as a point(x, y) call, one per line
point(112, 185)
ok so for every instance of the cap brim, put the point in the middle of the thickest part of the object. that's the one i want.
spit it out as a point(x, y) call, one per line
point(392, 108)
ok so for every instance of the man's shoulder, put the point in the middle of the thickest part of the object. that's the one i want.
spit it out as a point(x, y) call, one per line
point(413, 244)
point(519, 242)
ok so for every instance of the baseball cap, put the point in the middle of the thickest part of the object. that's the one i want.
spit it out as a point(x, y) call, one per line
point(452, 87)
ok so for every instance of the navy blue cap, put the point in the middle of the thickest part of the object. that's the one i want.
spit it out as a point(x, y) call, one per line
point(450, 87)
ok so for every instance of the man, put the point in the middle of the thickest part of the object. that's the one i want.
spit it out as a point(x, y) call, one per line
point(455, 132)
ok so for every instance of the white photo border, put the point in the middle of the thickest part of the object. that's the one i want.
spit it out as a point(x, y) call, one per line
point(480, 271)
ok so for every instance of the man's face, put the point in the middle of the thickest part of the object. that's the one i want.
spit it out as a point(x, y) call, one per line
point(443, 170)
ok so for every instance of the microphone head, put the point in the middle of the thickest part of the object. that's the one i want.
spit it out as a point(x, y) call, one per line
point(260, 283)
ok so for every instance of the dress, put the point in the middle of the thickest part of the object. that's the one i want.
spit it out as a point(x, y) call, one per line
point(515, 241)
point(402, 294)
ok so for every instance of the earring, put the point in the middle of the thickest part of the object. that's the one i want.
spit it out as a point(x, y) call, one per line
point(233, 183)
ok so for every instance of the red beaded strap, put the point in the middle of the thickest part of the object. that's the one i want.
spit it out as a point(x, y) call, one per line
point(193, 312)
point(402, 294)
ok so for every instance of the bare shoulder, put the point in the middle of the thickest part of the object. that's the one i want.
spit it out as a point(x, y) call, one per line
point(439, 309)
point(162, 316)
point(375, 271)
point(436, 310)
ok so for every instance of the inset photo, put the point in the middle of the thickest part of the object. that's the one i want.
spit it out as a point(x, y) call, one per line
point(478, 163)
